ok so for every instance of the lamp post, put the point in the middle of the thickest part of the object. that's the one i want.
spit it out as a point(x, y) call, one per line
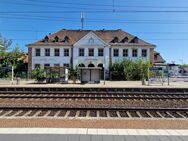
point(168, 75)
point(104, 65)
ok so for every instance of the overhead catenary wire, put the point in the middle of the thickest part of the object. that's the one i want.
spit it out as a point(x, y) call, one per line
point(98, 11)
point(140, 32)
point(93, 19)
point(41, 18)
point(103, 5)
point(52, 6)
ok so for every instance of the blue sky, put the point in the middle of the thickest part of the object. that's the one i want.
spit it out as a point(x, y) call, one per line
point(25, 21)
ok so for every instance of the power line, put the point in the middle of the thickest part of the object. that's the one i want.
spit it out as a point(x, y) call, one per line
point(41, 18)
point(135, 32)
point(95, 19)
point(52, 6)
point(104, 5)
point(97, 11)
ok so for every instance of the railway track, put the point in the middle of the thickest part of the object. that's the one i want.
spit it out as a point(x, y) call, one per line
point(79, 90)
point(94, 102)
point(92, 112)
point(95, 96)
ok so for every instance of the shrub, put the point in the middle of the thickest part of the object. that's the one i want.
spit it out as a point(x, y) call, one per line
point(129, 70)
point(38, 74)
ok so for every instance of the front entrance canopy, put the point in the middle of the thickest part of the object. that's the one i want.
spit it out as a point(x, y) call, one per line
point(90, 75)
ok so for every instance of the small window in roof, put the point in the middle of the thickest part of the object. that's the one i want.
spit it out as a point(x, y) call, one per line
point(115, 40)
point(46, 39)
point(56, 39)
point(124, 40)
point(66, 39)
point(134, 40)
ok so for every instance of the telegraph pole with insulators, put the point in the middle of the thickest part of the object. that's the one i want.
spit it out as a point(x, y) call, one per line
point(82, 19)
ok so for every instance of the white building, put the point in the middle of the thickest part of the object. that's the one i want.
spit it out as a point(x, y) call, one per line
point(88, 48)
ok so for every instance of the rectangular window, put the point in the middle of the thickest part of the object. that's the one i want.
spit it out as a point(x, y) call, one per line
point(144, 53)
point(47, 52)
point(56, 52)
point(66, 52)
point(135, 52)
point(37, 66)
point(100, 52)
point(91, 52)
point(116, 52)
point(46, 65)
point(66, 65)
point(125, 53)
point(37, 52)
point(56, 65)
point(81, 51)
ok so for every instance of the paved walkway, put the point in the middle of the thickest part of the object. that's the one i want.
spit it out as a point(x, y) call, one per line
point(115, 84)
point(84, 134)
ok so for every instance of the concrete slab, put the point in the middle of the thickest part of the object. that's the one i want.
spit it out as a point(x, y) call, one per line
point(85, 131)
point(68, 137)
point(115, 84)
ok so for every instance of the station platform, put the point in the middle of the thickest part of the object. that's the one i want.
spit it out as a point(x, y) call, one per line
point(87, 134)
point(106, 84)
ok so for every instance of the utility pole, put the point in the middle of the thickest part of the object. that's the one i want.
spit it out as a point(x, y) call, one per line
point(82, 19)
point(12, 77)
point(113, 6)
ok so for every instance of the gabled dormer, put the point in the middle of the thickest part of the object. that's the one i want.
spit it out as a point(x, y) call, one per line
point(46, 39)
point(125, 40)
point(56, 39)
point(115, 40)
point(134, 40)
point(66, 39)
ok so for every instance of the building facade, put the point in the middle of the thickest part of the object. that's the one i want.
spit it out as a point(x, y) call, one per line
point(88, 48)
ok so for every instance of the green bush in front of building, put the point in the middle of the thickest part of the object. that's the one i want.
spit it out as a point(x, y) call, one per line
point(129, 70)
point(39, 74)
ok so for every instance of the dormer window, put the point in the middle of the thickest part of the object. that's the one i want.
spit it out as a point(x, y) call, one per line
point(56, 39)
point(115, 40)
point(46, 39)
point(134, 40)
point(66, 39)
point(125, 40)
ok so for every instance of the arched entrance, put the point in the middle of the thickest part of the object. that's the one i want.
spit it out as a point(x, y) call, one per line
point(91, 65)
point(81, 65)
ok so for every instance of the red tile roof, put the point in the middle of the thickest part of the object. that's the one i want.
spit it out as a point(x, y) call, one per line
point(75, 35)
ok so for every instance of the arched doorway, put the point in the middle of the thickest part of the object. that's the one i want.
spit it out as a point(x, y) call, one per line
point(100, 65)
point(81, 65)
point(91, 65)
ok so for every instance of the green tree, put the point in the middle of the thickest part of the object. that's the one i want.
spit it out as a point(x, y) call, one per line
point(4, 44)
point(38, 74)
point(10, 57)
point(129, 70)
point(116, 70)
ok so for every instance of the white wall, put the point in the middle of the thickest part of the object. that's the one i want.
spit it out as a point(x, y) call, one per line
point(120, 57)
point(86, 60)
point(96, 44)
point(42, 59)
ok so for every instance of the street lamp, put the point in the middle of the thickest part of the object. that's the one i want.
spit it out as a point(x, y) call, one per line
point(104, 65)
